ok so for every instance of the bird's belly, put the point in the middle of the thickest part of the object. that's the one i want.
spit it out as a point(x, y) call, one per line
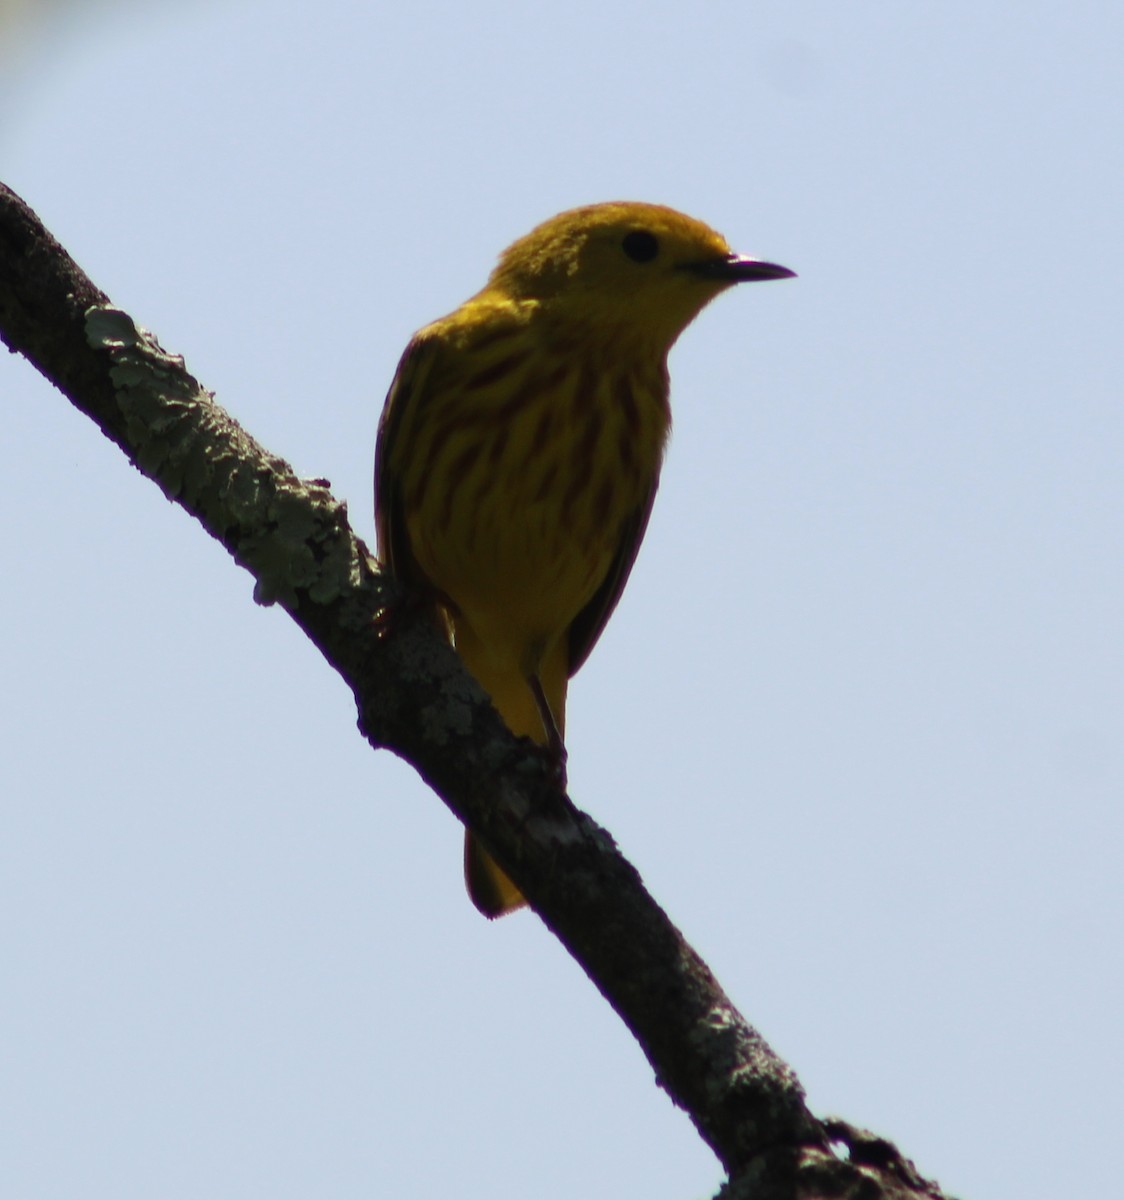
point(518, 573)
point(518, 521)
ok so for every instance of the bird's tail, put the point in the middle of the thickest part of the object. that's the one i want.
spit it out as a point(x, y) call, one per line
point(489, 887)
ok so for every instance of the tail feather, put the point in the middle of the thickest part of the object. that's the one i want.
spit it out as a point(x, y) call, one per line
point(489, 887)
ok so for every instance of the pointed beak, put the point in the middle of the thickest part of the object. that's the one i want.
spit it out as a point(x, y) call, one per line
point(736, 269)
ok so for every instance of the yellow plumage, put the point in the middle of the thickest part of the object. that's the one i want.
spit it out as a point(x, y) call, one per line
point(520, 448)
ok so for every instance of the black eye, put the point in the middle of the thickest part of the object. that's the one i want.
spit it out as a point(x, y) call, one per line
point(640, 245)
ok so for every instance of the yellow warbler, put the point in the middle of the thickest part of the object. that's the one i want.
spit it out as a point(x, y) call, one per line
point(520, 447)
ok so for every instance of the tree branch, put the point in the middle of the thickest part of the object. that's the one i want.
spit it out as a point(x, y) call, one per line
point(415, 698)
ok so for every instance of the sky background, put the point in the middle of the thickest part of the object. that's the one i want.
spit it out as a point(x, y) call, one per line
point(858, 719)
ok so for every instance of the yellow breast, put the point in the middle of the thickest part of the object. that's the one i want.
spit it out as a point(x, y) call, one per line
point(519, 474)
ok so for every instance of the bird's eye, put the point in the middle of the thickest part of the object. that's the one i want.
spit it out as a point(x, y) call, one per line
point(640, 245)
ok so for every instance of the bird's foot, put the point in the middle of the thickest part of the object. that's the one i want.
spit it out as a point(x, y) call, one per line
point(406, 608)
point(555, 754)
point(554, 751)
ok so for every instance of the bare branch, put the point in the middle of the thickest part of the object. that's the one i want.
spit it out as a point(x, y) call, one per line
point(416, 699)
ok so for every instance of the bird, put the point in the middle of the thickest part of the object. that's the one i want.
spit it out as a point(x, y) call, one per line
point(519, 451)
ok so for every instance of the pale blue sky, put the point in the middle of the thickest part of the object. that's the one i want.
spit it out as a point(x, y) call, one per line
point(858, 720)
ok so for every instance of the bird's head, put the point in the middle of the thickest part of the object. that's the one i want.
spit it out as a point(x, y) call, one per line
point(636, 271)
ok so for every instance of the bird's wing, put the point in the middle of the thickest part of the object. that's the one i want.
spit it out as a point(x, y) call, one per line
point(587, 626)
point(407, 391)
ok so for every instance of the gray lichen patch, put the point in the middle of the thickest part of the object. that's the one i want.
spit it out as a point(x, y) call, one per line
point(291, 535)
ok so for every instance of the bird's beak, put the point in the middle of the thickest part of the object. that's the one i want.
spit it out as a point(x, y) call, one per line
point(736, 269)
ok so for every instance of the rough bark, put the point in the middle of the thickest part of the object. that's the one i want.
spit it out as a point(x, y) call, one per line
point(414, 698)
